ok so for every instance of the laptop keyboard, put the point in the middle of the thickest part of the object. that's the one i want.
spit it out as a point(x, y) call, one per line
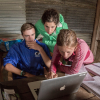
point(37, 91)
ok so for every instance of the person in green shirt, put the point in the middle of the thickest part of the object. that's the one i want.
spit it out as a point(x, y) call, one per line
point(49, 27)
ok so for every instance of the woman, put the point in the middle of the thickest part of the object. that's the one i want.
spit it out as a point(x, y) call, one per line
point(49, 27)
point(71, 49)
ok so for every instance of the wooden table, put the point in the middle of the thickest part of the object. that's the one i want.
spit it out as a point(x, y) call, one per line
point(26, 94)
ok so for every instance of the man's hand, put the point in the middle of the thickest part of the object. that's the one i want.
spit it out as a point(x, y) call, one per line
point(51, 75)
point(29, 75)
point(33, 45)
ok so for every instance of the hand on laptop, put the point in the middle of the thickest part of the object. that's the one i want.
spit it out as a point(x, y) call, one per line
point(50, 75)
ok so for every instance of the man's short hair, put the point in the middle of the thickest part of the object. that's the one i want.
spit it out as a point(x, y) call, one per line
point(26, 26)
point(50, 15)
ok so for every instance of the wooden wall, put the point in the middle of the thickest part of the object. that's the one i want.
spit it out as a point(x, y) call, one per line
point(12, 16)
point(96, 33)
point(78, 14)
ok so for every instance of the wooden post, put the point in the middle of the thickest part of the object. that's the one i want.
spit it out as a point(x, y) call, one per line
point(97, 58)
point(96, 32)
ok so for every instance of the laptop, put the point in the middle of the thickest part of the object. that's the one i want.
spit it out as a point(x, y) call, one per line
point(56, 87)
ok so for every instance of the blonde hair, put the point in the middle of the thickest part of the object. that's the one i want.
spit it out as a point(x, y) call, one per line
point(67, 37)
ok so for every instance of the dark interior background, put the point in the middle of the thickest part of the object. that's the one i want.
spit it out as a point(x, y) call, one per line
point(78, 14)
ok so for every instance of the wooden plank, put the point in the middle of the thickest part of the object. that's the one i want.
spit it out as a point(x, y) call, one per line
point(86, 37)
point(12, 19)
point(10, 31)
point(83, 1)
point(9, 5)
point(11, 8)
point(10, 35)
point(86, 4)
point(98, 32)
point(96, 29)
point(12, 16)
point(12, 12)
point(12, 1)
point(68, 3)
point(10, 28)
point(11, 24)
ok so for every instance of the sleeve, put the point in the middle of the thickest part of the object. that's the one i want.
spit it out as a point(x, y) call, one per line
point(49, 42)
point(55, 59)
point(65, 26)
point(78, 60)
point(12, 57)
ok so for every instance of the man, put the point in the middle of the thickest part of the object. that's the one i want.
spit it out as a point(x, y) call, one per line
point(28, 58)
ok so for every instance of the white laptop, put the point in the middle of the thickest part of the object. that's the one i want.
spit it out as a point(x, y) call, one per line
point(56, 87)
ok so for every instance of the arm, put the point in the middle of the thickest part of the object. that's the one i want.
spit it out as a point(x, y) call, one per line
point(13, 69)
point(54, 63)
point(35, 46)
point(11, 61)
point(78, 60)
point(50, 42)
point(9, 67)
point(55, 59)
point(45, 58)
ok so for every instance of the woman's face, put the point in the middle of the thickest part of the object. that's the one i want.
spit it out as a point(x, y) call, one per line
point(65, 51)
point(50, 27)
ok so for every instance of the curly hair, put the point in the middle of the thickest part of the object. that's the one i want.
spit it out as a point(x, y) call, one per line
point(50, 15)
point(67, 37)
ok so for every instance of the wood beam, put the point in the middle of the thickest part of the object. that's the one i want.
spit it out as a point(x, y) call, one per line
point(96, 31)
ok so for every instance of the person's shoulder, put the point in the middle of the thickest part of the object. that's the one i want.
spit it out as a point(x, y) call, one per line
point(40, 43)
point(16, 45)
point(61, 19)
point(39, 26)
point(43, 45)
point(60, 15)
point(82, 43)
point(38, 23)
point(56, 47)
